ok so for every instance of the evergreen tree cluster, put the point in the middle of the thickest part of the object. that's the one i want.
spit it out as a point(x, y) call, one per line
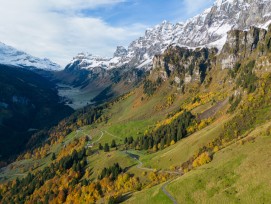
point(76, 161)
point(128, 140)
point(164, 135)
point(111, 172)
point(113, 144)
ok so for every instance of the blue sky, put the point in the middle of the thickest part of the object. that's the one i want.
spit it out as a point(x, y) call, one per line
point(59, 29)
point(149, 12)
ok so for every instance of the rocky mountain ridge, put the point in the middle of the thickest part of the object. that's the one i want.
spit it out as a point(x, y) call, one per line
point(184, 65)
point(208, 29)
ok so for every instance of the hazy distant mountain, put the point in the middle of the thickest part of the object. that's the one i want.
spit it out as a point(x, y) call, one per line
point(12, 56)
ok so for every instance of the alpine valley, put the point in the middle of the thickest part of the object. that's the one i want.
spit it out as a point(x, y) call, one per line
point(183, 115)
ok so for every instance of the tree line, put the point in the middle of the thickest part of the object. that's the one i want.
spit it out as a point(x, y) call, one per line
point(164, 136)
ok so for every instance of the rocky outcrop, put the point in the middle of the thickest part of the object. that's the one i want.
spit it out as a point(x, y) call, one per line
point(240, 45)
point(192, 64)
point(186, 65)
point(120, 52)
point(225, 15)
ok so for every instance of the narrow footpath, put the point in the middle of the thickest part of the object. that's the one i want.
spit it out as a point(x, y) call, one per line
point(139, 166)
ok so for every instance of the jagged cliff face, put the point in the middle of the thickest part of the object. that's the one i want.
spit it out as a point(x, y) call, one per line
point(185, 65)
point(193, 65)
point(208, 29)
point(254, 13)
point(240, 45)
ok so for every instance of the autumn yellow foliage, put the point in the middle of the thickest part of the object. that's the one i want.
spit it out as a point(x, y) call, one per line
point(202, 159)
point(168, 120)
point(172, 142)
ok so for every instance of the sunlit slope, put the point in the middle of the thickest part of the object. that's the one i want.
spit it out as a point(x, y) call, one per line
point(238, 174)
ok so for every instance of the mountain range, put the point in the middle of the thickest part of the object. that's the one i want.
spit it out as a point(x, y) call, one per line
point(208, 29)
point(96, 77)
point(183, 115)
point(229, 30)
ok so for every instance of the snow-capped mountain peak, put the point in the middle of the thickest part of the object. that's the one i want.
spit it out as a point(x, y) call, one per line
point(12, 56)
point(120, 52)
point(208, 29)
point(90, 61)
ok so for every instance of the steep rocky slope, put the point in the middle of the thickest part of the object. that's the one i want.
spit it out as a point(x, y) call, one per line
point(240, 44)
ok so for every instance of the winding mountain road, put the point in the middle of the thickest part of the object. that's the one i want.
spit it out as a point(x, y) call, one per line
point(167, 193)
point(112, 135)
point(139, 166)
point(102, 134)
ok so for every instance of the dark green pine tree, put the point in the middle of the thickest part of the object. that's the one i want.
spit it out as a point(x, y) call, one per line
point(168, 140)
point(130, 140)
point(146, 144)
point(53, 157)
point(179, 133)
point(106, 147)
point(113, 144)
point(100, 146)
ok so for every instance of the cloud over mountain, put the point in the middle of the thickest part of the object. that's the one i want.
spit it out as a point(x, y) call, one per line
point(58, 30)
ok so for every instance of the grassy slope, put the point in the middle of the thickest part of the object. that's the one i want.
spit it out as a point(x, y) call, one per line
point(238, 174)
point(183, 150)
point(152, 195)
point(133, 116)
point(108, 159)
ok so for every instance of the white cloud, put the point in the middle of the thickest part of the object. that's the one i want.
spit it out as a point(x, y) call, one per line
point(81, 4)
point(35, 27)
